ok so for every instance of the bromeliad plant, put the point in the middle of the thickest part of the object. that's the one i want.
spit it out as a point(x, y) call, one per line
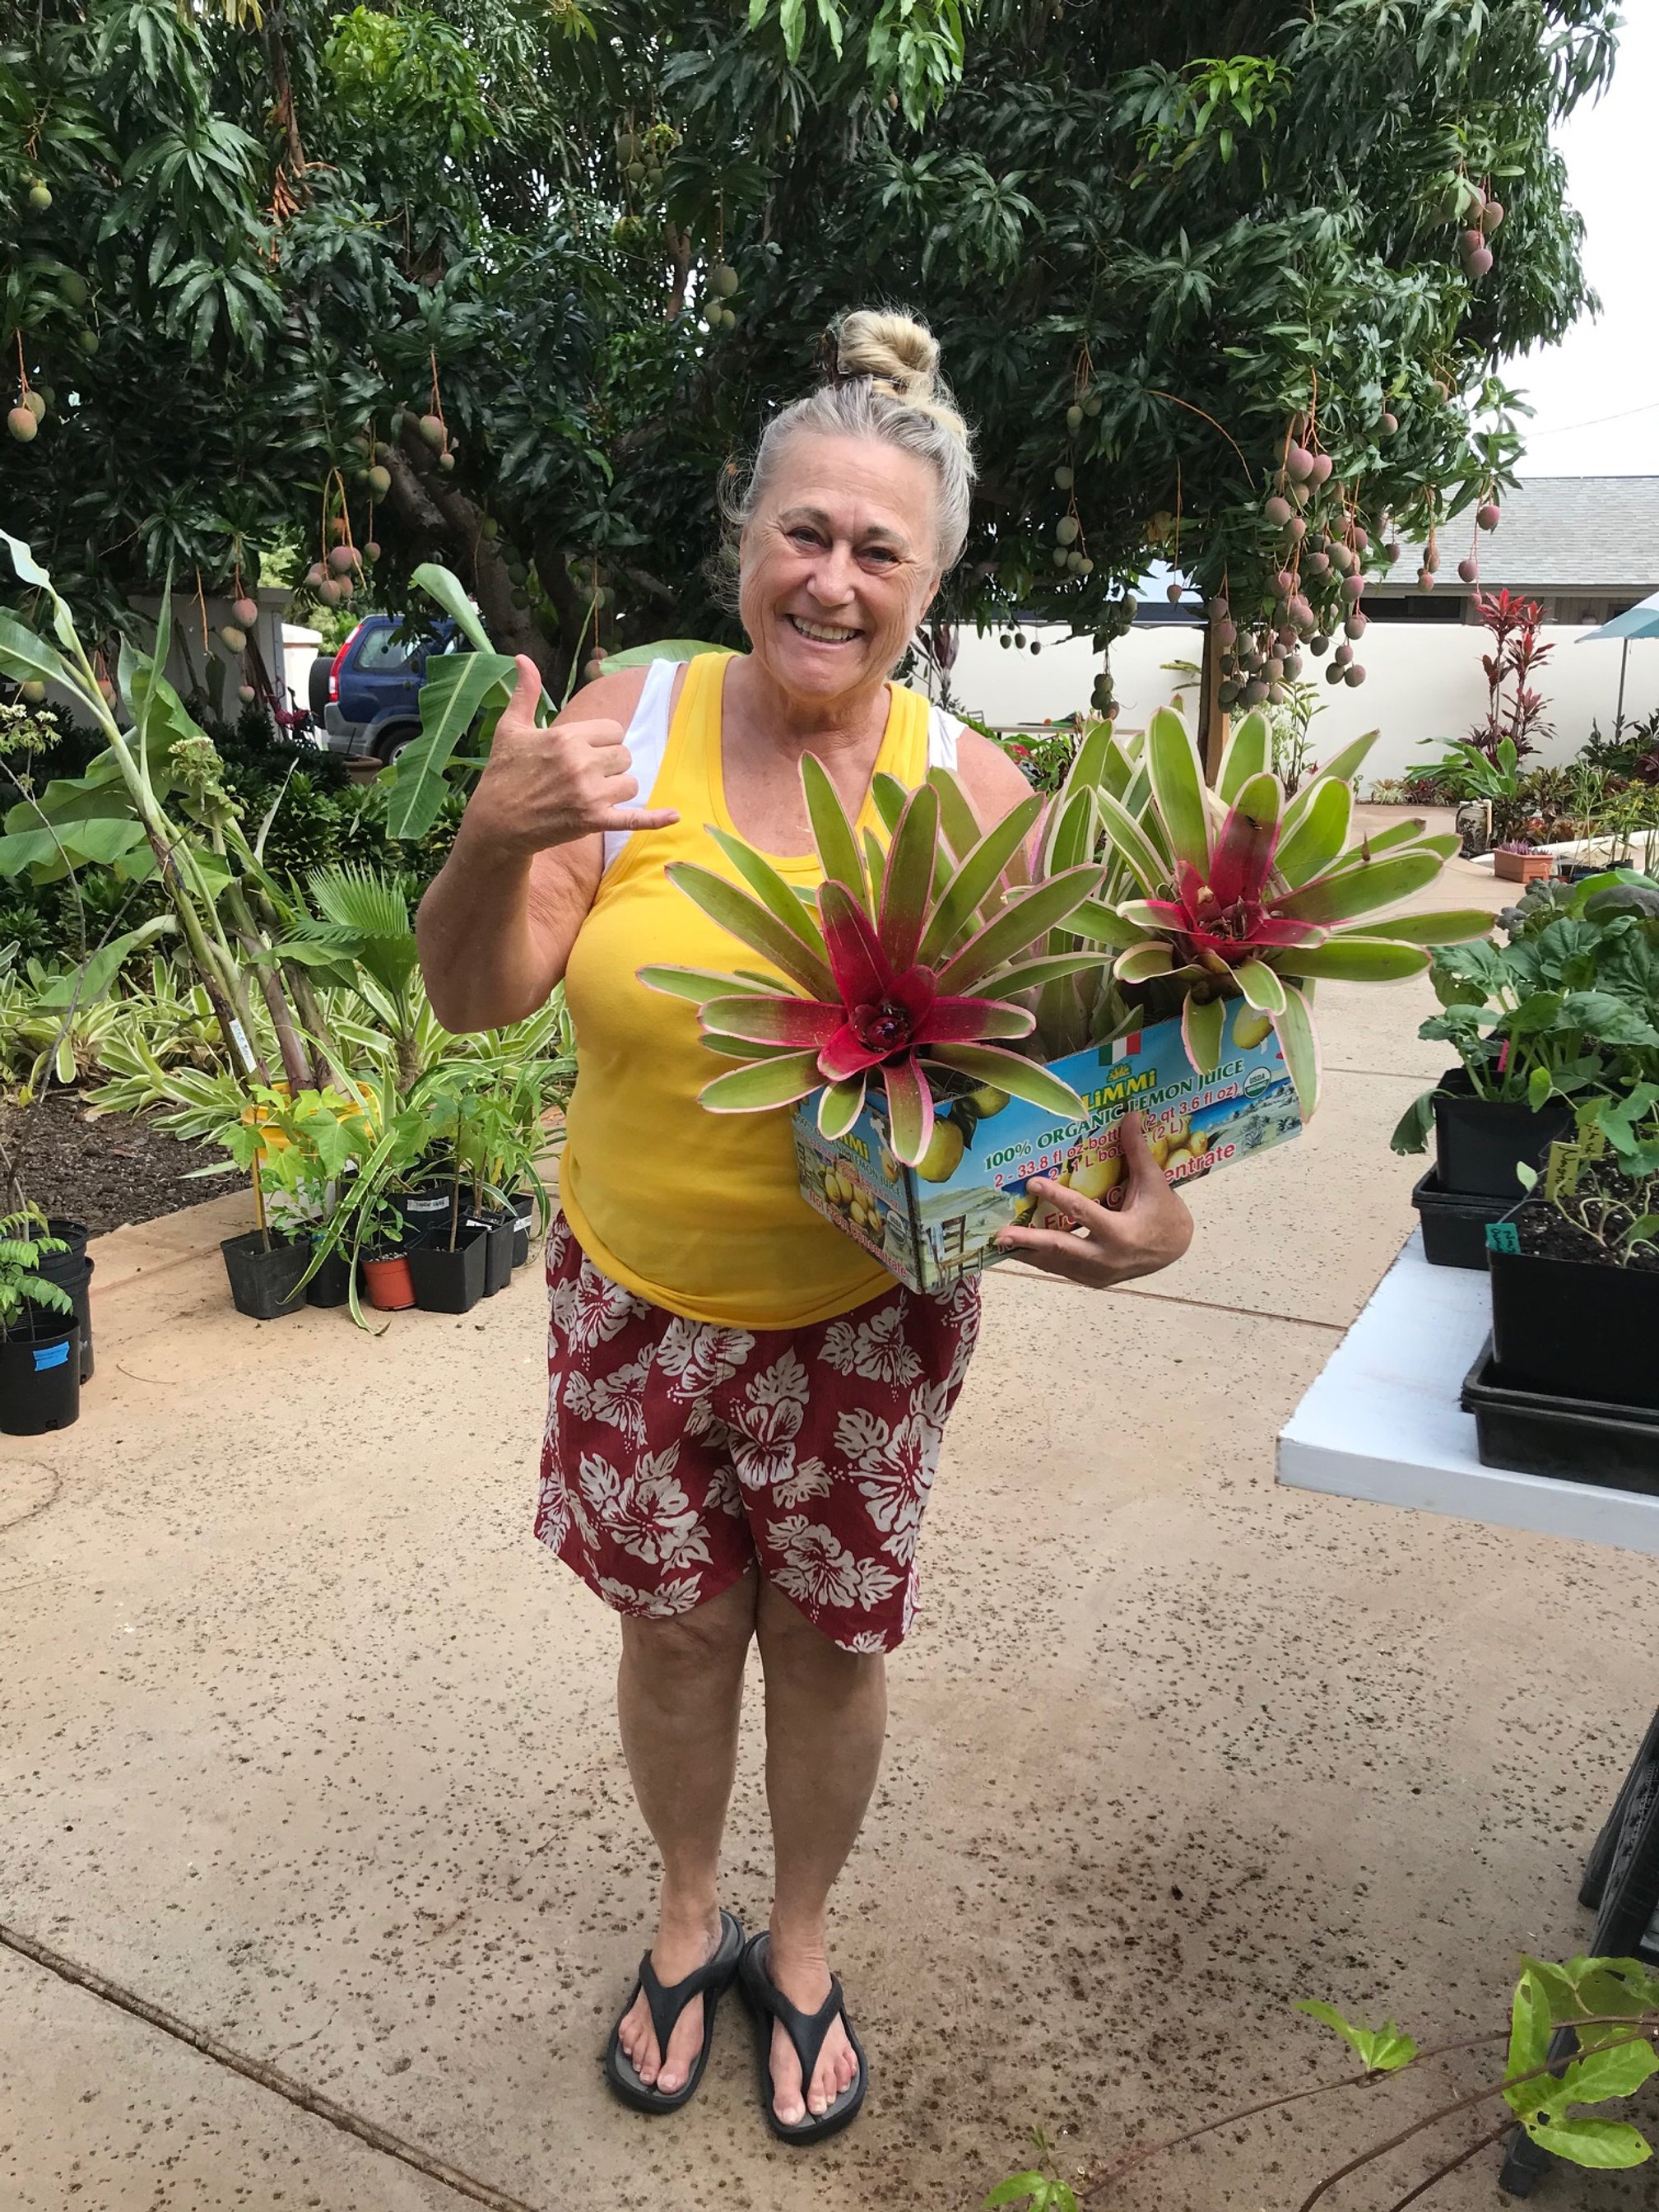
point(906, 969)
point(1213, 895)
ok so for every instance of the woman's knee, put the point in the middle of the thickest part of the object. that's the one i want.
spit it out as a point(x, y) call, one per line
point(711, 1639)
point(788, 1640)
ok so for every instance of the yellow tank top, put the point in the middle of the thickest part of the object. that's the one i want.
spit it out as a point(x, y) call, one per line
point(699, 1213)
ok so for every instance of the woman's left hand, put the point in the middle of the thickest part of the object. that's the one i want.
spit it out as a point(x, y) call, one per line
point(1109, 1244)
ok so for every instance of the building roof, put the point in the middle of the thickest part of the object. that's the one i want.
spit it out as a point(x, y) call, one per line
point(1591, 534)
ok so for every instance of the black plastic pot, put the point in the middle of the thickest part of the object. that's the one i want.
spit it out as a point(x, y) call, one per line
point(426, 1212)
point(450, 1282)
point(1478, 1141)
point(1569, 1329)
point(499, 1225)
point(523, 1205)
point(40, 1381)
point(1454, 1226)
point(332, 1284)
point(266, 1284)
point(73, 1233)
point(1573, 1439)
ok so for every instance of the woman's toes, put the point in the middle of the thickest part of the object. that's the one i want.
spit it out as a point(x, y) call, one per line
point(786, 2101)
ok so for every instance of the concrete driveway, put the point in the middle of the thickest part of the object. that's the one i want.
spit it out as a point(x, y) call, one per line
point(308, 1757)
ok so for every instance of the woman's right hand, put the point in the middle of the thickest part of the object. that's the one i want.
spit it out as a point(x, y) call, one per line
point(551, 785)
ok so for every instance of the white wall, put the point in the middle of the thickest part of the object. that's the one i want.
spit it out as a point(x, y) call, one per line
point(1422, 680)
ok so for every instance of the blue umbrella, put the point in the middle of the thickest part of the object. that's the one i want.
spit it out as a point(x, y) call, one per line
point(1639, 621)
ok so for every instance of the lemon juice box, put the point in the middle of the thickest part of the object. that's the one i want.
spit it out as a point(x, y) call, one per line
point(933, 1223)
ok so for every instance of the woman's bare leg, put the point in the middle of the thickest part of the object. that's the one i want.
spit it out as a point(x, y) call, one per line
point(826, 1716)
point(679, 1690)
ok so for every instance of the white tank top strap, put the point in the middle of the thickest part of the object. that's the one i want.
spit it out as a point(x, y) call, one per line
point(647, 740)
point(943, 732)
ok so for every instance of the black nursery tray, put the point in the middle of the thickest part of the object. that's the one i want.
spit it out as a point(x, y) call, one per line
point(1573, 1439)
point(1454, 1223)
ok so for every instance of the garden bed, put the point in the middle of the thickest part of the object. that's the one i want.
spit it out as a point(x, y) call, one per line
point(116, 1169)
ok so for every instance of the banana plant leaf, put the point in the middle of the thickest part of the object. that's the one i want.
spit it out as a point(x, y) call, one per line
point(665, 648)
point(459, 688)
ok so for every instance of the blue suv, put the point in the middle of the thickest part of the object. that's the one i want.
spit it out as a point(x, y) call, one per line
point(366, 700)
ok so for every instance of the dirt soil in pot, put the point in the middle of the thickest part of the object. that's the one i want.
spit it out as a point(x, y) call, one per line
point(116, 1169)
point(1545, 1233)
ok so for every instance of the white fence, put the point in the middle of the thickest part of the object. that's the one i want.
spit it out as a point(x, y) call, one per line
point(1422, 680)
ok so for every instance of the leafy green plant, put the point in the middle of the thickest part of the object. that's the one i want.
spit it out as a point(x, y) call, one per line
point(1603, 1182)
point(1567, 1007)
point(296, 1150)
point(24, 1241)
point(1611, 2005)
point(1464, 771)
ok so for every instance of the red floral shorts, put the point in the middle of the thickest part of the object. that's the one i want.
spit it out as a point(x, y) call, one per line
point(679, 1453)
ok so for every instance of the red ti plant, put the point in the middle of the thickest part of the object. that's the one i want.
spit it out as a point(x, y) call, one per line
point(1515, 653)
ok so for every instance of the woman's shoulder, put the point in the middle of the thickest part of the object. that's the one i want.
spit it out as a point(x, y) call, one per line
point(613, 698)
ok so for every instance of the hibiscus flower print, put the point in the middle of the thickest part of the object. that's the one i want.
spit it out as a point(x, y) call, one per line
point(875, 1348)
point(679, 1594)
point(816, 1569)
point(647, 1513)
point(768, 1421)
point(700, 1354)
point(895, 1474)
point(613, 1398)
point(806, 1478)
point(598, 1310)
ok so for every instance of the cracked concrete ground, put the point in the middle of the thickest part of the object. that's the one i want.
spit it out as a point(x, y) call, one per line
point(307, 1744)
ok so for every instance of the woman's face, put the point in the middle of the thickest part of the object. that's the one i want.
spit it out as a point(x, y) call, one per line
point(839, 564)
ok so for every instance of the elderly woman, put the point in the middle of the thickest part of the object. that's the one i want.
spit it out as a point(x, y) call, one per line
point(746, 1409)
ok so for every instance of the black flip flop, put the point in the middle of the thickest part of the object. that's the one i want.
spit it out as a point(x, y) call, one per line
point(708, 1981)
point(807, 2031)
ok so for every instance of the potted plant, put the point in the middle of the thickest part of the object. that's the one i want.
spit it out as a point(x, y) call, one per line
point(1517, 862)
point(1563, 1007)
point(380, 1246)
point(1571, 1386)
point(39, 1335)
point(297, 1148)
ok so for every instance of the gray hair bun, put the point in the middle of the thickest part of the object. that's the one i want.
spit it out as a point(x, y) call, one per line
point(900, 355)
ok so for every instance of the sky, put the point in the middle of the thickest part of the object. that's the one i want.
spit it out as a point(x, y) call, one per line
point(1596, 394)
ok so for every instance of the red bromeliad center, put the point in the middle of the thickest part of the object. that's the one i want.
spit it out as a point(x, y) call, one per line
point(883, 1027)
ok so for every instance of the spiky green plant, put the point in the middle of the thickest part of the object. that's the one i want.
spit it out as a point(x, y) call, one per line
point(906, 969)
point(1213, 895)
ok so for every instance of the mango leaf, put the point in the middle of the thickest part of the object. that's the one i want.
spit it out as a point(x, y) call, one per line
point(1354, 960)
point(769, 1083)
point(832, 833)
point(1609, 2146)
point(1178, 787)
point(1013, 1072)
point(665, 648)
point(754, 924)
point(457, 686)
point(1299, 1042)
point(1320, 835)
point(437, 582)
point(1249, 752)
point(1360, 890)
point(1382, 2050)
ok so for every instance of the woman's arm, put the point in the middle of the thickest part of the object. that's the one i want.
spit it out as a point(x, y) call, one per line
point(993, 785)
point(497, 923)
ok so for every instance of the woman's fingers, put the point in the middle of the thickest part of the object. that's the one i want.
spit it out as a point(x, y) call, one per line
point(635, 817)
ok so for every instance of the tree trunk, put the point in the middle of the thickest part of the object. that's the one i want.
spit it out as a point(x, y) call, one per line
point(453, 525)
point(1212, 721)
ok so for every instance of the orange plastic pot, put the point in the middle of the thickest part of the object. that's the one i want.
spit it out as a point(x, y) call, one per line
point(388, 1284)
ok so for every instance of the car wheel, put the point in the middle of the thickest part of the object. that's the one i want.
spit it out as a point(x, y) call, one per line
point(395, 742)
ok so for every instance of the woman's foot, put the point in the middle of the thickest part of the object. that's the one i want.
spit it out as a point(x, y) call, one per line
point(682, 1945)
point(801, 1972)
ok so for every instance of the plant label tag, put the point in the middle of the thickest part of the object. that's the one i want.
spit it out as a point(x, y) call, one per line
point(238, 1037)
point(426, 1205)
point(50, 1355)
point(932, 1223)
point(1503, 1236)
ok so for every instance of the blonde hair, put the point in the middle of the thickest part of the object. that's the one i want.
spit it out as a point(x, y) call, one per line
point(881, 380)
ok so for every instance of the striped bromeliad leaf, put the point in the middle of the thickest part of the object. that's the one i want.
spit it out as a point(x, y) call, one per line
point(914, 952)
point(1239, 892)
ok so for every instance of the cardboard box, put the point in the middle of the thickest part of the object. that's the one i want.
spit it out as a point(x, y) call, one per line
point(930, 1229)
